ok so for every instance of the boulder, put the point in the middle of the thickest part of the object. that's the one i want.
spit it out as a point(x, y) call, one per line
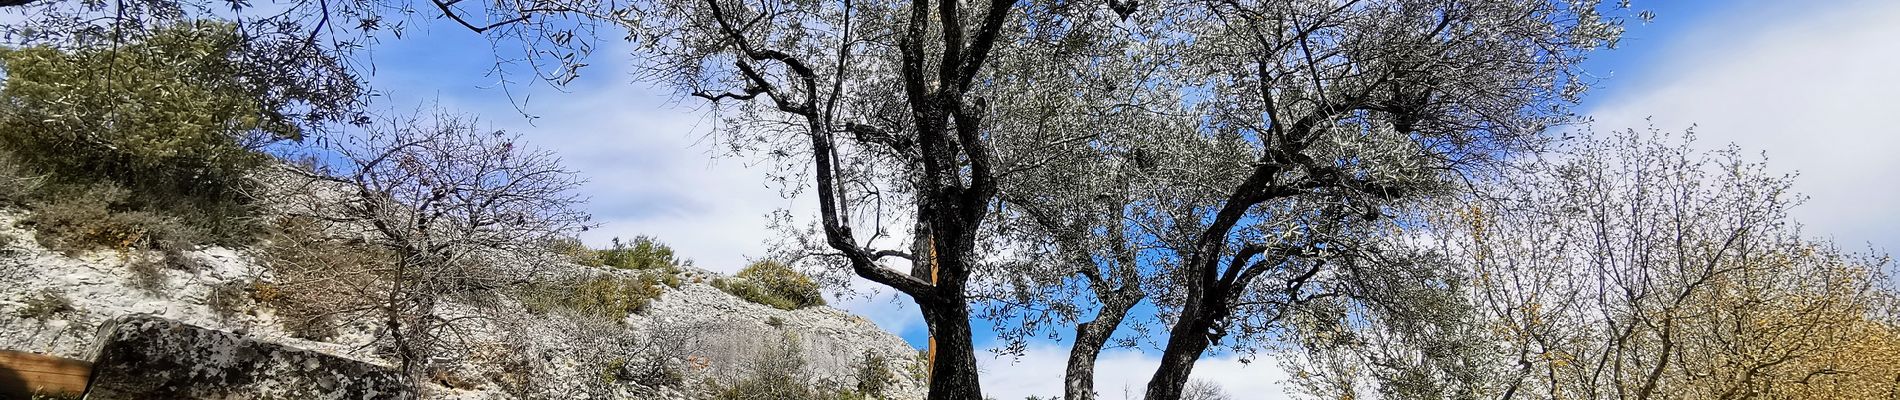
point(145, 357)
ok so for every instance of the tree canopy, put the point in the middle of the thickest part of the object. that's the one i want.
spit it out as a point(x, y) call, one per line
point(1354, 186)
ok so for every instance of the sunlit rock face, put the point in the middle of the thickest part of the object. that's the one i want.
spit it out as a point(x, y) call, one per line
point(144, 357)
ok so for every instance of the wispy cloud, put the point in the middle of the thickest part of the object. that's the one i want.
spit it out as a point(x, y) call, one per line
point(1813, 87)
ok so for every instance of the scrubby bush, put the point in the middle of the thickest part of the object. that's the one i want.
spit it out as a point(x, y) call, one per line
point(605, 296)
point(778, 373)
point(643, 252)
point(147, 274)
point(229, 299)
point(315, 279)
point(46, 304)
point(576, 251)
point(874, 375)
point(177, 119)
point(671, 279)
point(93, 217)
point(666, 355)
point(774, 284)
point(17, 183)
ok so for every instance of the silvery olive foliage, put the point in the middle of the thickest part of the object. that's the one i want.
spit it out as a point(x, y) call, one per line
point(1274, 145)
point(1347, 112)
point(1225, 157)
point(1045, 160)
point(906, 117)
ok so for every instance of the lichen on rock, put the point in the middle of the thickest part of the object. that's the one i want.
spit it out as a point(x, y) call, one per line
point(144, 357)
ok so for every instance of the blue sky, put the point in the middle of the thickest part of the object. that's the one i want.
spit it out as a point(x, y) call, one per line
point(1806, 83)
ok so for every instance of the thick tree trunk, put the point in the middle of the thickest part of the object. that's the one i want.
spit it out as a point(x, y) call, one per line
point(1189, 338)
point(1090, 337)
point(954, 375)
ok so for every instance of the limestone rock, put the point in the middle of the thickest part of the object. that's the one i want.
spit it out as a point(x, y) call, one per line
point(144, 357)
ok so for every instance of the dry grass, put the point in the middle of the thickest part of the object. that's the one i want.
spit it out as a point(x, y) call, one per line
point(46, 304)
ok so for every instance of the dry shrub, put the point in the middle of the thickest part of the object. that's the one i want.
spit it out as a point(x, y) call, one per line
point(576, 251)
point(778, 372)
point(148, 274)
point(318, 283)
point(230, 299)
point(604, 296)
point(875, 375)
point(94, 217)
point(774, 284)
point(46, 304)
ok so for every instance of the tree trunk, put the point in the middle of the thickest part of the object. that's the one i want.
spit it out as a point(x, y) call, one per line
point(1090, 337)
point(954, 375)
point(1189, 338)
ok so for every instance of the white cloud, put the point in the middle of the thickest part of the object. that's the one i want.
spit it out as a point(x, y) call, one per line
point(651, 171)
point(1813, 87)
point(1122, 374)
point(651, 166)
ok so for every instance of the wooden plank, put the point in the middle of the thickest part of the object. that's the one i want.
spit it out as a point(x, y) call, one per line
point(23, 374)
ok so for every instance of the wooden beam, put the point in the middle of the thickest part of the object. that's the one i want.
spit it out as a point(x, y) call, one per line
point(24, 374)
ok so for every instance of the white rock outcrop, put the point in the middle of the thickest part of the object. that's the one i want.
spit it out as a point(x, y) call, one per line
point(510, 353)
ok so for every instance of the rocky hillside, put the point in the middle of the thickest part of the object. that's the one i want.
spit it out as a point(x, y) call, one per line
point(692, 341)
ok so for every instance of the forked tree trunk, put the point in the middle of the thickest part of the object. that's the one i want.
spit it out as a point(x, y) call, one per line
point(1187, 341)
point(1079, 381)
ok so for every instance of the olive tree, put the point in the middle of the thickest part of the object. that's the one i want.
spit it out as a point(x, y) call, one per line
point(1339, 113)
point(1287, 137)
point(1302, 117)
point(894, 111)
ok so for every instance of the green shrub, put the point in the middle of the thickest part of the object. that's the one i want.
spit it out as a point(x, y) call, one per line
point(774, 284)
point(611, 372)
point(173, 112)
point(17, 183)
point(605, 296)
point(920, 367)
point(642, 253)
point(175, 118)
point(874, 375)
point(46, 304)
